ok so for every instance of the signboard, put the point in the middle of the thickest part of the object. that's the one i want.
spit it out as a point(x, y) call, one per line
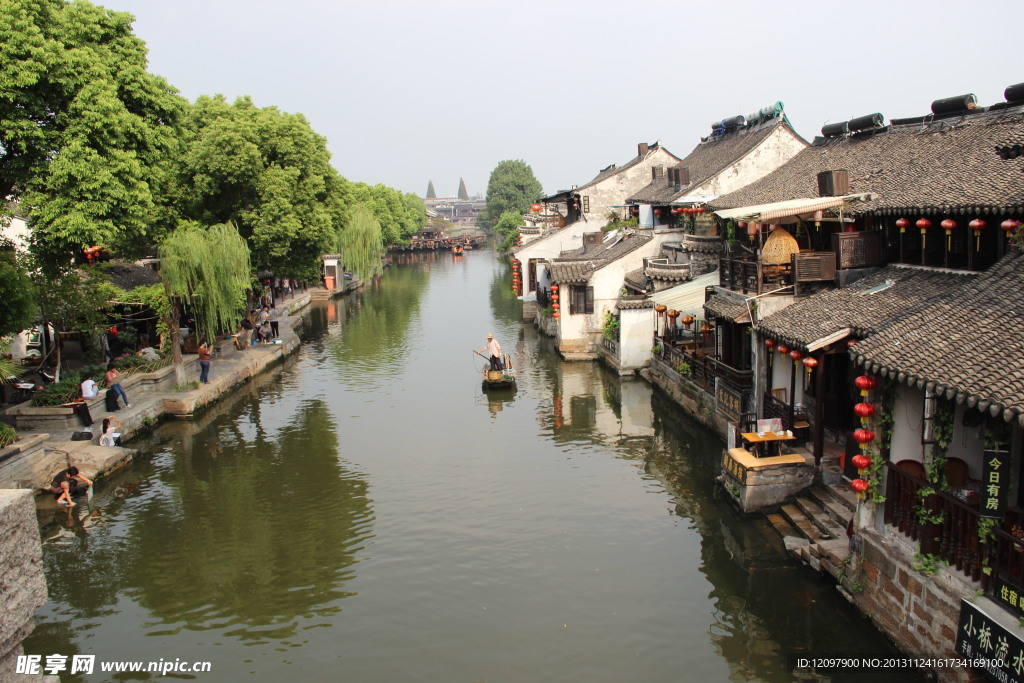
point(733, 468)
point(995, 478)
point(988, 646)
point(1008, 596)
point(730, 401)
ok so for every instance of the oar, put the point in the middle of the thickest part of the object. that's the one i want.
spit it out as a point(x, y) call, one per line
point(482, 355)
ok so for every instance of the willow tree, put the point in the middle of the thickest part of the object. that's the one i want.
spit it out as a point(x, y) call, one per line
point(362, 244)
point(208, 271)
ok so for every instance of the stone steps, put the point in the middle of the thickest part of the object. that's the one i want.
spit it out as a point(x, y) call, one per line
point(803, 523)
point(828, 526)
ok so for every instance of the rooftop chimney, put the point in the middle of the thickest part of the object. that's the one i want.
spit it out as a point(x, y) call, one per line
point(642, 149)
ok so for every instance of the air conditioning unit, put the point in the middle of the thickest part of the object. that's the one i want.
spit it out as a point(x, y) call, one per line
point(591, 239)
point(834, 183)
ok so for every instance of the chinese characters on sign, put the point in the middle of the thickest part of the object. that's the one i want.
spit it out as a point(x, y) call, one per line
point(735, 469)
point(729, 401)
point(1009, 596)
point(979, 636)
point(994, 479)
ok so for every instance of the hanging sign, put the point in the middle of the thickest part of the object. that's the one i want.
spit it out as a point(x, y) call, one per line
point(987, 646)
point(995, 477)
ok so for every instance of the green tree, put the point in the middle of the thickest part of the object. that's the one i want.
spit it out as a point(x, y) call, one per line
point(512, 187)
point(362, 244)
point(508, 228)
point(207, 270)
point(19, 307)
point(431, 193)
point(463, 194)
point(86, 134)
point(269, 173)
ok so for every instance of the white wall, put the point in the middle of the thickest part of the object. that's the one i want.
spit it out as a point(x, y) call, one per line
point(906, 428)
point(774, 151)
point(614, 190)
point(636, 337)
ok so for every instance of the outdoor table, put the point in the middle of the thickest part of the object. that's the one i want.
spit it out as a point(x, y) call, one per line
point(776, 439)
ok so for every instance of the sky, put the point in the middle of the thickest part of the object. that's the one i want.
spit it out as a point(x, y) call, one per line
point(407, 91)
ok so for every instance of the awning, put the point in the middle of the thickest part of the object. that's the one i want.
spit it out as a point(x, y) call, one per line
point(687, 298)
point(828, 339)
point(694, 199)
point(789, 207)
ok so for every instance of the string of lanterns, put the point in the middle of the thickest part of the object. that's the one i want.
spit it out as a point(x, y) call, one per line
point(1009, 226)
point(517, 285)
point(554, 301)
point(863, 436)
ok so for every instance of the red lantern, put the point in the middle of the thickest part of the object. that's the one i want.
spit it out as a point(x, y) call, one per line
point(850, 343)
point(661, 308)
point(864, 410)
point(902, 224)
point(635, 210)
point(861, 462)
point(770, 343)
point(949, 225)
point(924, 224)
point(810, 363)
point(699, 210)
point(742, 224)
point(686, 320)
point(783, 349)
point(555, 314)
point(751, 230)
point(865, 384)
point(1010, 224)
point(555, 306)
point(706, 329)
point(536, 208)
point(658, 212)
point(863, 436)
point(796, 354)
point(554, 288)
point(554, 297)
point(673, 314)
point(977, 225)
point(859, 486)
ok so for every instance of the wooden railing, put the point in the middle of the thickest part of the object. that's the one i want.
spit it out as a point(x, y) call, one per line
point(704, 369)
point(739, 274)
point(773, 407)
point(954, 540)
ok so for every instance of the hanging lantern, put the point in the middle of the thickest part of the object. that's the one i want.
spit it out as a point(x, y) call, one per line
point(751, 231)
point(861, 462)
point(977, 225)
point(783, 349)
point(796, 354)
point(554, 288)
point(686, 320)
point(661, 308)
point(865, 384)
point(658, 212)
point(864, 410)
point(555, 314)
point(554, 297)
point(635, 210)
point(673, 314)
point(772, 227)
point(536, 208)
point(699, 210)
point(863, 436)
point(810, 363)
point(742, 224)
point(902, 224)
point(1009, 225)
point(850, 343)
point(859, 486)
point(770, 343)
point(706, 329)
point(949, 225)
point(556, 306)
point(924, 224)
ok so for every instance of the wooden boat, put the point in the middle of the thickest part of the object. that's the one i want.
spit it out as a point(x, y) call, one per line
point(457, 249)
point(499, 379)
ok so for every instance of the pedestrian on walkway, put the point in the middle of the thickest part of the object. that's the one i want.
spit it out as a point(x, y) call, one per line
point(205, 353)
point(274, 328)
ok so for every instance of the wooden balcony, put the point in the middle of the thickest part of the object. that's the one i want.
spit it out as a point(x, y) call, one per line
point(705, 369)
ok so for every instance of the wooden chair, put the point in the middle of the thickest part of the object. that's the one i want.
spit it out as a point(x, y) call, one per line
point(913, 467)
point(956, 472)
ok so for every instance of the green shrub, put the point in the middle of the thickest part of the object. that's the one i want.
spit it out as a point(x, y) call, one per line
point(7, 435)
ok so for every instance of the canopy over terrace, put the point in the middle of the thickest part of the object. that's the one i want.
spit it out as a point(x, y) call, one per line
point(790, 210)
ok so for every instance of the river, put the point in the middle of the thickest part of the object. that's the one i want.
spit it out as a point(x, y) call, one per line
point(365, 512)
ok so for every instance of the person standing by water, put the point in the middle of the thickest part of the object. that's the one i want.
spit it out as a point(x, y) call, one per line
point(494, 349)
point(65, 482)
point(205, 353)
point(114, 383)
point(274, 325)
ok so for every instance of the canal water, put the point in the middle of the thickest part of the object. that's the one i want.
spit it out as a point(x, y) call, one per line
point(367, 513)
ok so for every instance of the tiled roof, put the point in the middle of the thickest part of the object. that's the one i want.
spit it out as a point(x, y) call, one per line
point(575, 267)
point(613, 169)
point(633, 303)
point(636, 278)
point(947, 166)
point(969, 347)
point(865, 307)
point(726, 309)
point(572, 273)
point(707, 160)
point(128, 276)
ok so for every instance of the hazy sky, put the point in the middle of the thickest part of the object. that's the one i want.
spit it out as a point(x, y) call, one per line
point(408, 91)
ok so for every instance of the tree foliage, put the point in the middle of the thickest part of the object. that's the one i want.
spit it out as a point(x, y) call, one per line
point(507, 228)
point(512, 187)
point(362, 244)
point(400, 215)
point(268, 172)
point(87, 135)
point(19, 307)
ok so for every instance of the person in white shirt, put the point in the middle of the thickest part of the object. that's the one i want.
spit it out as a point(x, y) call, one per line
point(89, 392)
point(495, 352)
point(89, 388)
point(111, 432)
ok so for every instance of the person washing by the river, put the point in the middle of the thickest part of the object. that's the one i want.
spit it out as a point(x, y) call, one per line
point(65, 483)
point(494, 349)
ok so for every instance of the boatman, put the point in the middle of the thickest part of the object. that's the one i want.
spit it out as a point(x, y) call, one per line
point(495, 352)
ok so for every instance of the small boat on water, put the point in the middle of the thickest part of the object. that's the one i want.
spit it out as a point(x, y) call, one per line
point(499, 379)
point(457, 249)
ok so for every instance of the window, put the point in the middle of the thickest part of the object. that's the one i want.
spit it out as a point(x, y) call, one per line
point(581, 300)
